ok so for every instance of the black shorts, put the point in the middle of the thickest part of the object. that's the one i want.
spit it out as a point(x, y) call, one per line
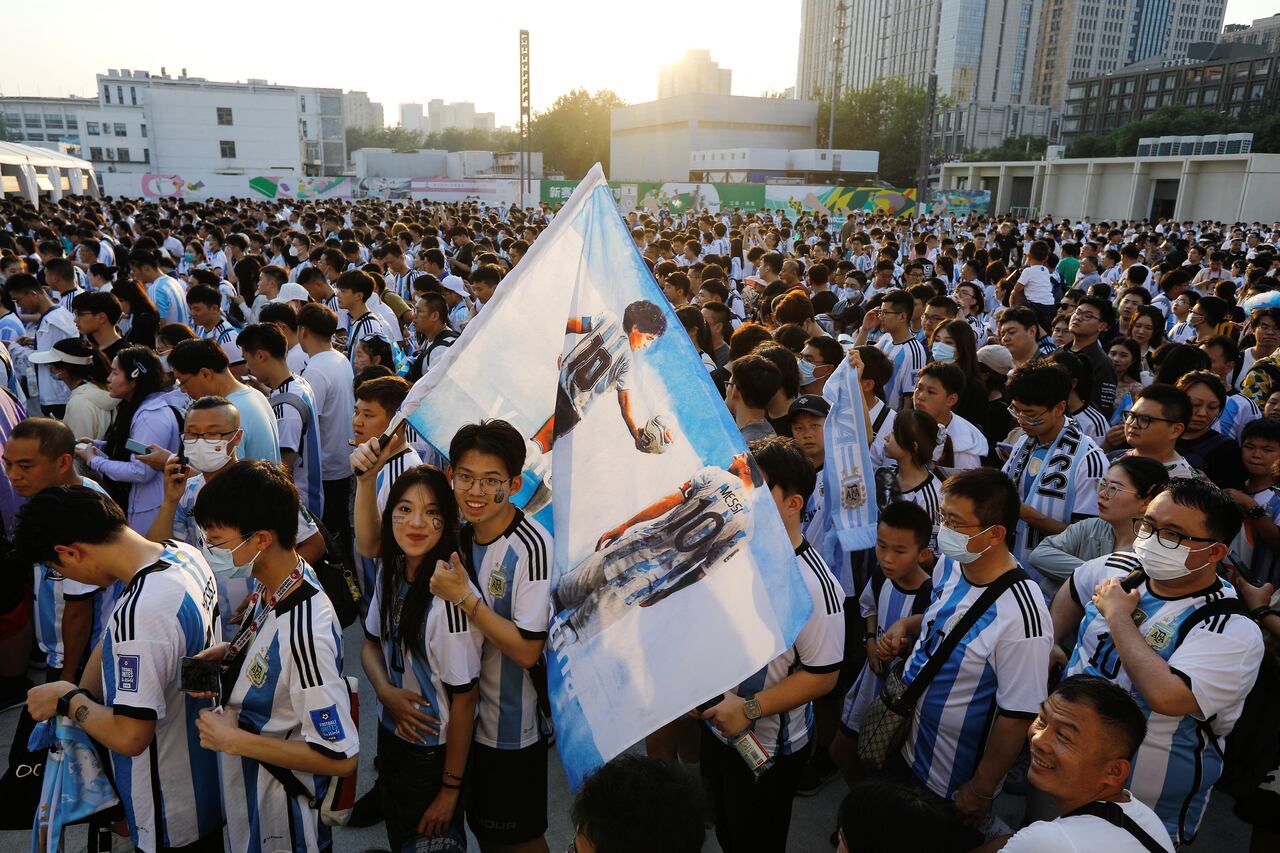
point(566, 417)
point(507, 793)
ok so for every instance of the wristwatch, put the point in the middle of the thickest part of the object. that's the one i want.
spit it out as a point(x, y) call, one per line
point(64, 701)
point(1256, 511)
point(752, 708)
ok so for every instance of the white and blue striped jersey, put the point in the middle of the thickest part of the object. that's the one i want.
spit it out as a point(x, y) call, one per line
point(599, 362)
point(816, 524)
point(1092, 423)
point(818, 648)
point(907, 358)
point(1238, 412)
point(166, 612)
point(998, 667)
point(225, 336)
point(387, 475)
point(170, 299)
point(289, 687)
point(513, 573)
point(928, 496)
point(50, 597)
point(367, 325)
point(1181, 757)
point(451, 662)
point(889, 605)
point(1264, 562)
point(299, 429)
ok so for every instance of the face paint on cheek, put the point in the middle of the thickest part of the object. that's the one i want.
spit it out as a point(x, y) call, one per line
point(499, 496)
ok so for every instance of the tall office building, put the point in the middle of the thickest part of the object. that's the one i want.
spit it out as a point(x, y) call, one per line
point(411, 118)
point(695, 74)
point(862, 58)
point(360, 111)
point(461, 115)
point(1168, 27)
point(986, 50)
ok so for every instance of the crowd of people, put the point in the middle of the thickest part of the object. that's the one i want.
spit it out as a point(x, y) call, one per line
point(1075, 427)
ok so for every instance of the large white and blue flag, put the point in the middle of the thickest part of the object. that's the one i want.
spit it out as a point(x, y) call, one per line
point(674, 579)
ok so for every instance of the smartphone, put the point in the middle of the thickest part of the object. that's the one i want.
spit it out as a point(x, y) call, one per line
point(182, 456)
point(135, 446)
point(200, 676)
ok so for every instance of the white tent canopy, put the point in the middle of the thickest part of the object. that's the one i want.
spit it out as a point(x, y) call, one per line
point(29, 171)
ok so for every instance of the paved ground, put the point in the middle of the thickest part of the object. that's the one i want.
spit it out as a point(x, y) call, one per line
point(811, 824)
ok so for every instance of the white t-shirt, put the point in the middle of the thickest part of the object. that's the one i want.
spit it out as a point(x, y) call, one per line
point(1081, 833)
point(1036, 285)
point(329, 375)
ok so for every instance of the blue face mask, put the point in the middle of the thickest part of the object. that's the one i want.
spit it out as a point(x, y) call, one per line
point(223, 562)
point(807, 370)
point(943, 352)
point(189, 257)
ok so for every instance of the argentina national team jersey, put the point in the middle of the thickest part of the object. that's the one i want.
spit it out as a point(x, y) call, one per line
point(1250, 550)
point(599, 362)
point(818, 648)
point(998, 667)
point(50, 597)
point(891, 603)
point(225, 336)
point(292, 401)
point(166, 612)
point(907, 358)
point(1092, 423)
point(289, 687)
point(383, 480)
point(1181, 757)
point(451, 663)
point(513, 573)
point(1236, 415)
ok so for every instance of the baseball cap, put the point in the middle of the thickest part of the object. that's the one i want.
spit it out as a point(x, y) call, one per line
point(454, 283)
point(68, 351)
point(813, 404)
point(292, 292)
point(996, 358)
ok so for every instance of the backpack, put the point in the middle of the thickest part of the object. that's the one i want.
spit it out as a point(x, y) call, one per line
point(336, 573)
point(1253, 745)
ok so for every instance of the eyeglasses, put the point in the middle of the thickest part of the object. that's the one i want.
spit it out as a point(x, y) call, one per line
point(1023, 417)
point(488, 485)
point(1143, 421)
point(1108, 490)
point(1086, 316)
point(51, 574)
point(208, 436)
point(1167, 538)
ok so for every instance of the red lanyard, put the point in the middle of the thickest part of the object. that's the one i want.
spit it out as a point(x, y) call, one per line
point(250, 631)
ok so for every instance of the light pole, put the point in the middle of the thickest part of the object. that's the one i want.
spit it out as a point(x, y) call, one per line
point(837, 42)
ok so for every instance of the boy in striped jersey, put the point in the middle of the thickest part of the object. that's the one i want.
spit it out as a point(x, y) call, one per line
point(283, 727)
point(205, 304)
point(1190, 685)
point(507, 555)
point(753, 813)
point(903, 348)
point(971, 722)
point(168, 611)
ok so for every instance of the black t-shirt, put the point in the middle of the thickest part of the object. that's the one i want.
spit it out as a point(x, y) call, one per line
point(1104, 377)
point(1217, 455)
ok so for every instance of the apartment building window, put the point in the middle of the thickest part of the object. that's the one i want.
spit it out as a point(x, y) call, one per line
point(303, 98)
point(1149, 102)
point(1237, 93)
point(224, 116)
point(227, 149)
point(1210, 96)
point(72, 123)
point(120, 94)
point(1152, 84)
point(95, 153)
point(1255, 91)
point(91, 128)
point(36, 137)
point(106, 94)
point(121, 130)
point(31, 119)
point(146, 155)
point(133, 95)
point(122, 154)
point(144, 131)
point(52, 120)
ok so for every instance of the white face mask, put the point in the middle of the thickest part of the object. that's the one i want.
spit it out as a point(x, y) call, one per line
point(1165, 564)
point(954, 544)
point(207, 454)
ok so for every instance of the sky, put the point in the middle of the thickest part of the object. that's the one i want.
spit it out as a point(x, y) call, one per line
point(415, 51)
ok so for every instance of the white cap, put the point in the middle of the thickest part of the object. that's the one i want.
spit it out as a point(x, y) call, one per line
point(291, 291)
point(57, 356)
point(456, 284)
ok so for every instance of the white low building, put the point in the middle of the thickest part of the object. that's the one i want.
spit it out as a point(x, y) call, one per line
point(1224, 187)
point(798, 165)
point(653, 141)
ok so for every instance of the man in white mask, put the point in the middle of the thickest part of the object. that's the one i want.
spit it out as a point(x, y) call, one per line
point(210, 436)
point(1159, 622)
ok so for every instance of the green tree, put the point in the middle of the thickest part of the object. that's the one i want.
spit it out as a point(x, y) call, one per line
point(573, 134)
point(1263, 121)
point(4, 130)
point(886, 117)
point(1026, 147)
point(395, 138)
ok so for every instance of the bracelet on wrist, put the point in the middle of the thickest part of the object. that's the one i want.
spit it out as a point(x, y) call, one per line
point(454, 776)
point(450, 787)
point(474, 608)
point(462, 601)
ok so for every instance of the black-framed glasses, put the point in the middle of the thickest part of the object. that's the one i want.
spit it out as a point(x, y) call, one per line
point(1143, 421)
point(1167, 538)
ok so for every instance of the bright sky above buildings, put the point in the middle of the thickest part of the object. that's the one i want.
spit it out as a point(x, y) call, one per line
point(412, 51)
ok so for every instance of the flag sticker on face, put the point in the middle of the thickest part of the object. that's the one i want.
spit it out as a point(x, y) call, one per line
point(127, 673)
point(328, 724)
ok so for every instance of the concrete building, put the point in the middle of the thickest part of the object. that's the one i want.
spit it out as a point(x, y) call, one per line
point(437, 163)
point(799, 165)
point(909, 39)
point(1228, 78)
point(1228, 188)
point(1168, 27)
point(986, 50)
point(1079, 38)
point(974, 126)
point(653, 141)
point(411, 118)
point(862, 58)
point(461, 115)
point(1264, 32)
point(361, 112)
point(43, 122)
point(696, 74)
